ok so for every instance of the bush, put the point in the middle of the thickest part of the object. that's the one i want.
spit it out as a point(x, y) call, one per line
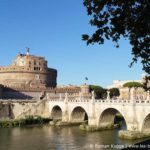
point(114, 92)
point(28, 120)
point(99, 91)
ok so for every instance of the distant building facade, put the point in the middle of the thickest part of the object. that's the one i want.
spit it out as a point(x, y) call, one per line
point(28, 71)
point(133, 94)
point(120, 83)
point(125, 92)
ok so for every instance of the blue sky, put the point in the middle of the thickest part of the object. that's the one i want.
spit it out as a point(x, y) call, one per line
point(53, 29)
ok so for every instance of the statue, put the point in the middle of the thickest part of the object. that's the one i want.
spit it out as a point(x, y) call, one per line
point(108, 95)
point(28, 50)
point(93, 96)
point(66, 97)
point(148, 96)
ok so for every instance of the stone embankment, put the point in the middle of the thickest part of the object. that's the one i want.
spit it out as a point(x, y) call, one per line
point(133, 135)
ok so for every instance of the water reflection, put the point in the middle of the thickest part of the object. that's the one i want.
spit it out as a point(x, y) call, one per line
point(57, 138)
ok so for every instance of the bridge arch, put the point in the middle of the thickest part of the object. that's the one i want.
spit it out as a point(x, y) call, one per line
point(146, 123)
point(108, 117)
point(56, 112)
point(78, 115)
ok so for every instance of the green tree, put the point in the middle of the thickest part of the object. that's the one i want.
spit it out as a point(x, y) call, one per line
point(114, 92)
point(99, 91)
point(122, 18)
point(145, 84)
point(132, 84)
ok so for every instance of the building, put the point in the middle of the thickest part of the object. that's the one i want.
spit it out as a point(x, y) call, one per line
point(119, 83)
point(28, 71)
point(125, 92)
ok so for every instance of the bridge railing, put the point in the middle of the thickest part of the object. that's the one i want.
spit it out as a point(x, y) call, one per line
point(79, 100)
point(70, 100)
point(123, 101)
point(113, 101)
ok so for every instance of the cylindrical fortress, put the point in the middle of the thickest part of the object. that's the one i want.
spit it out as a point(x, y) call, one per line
point(28, 71)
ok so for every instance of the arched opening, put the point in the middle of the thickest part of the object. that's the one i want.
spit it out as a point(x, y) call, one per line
point(56, 113)
point(146, 124)
point(79, 115)
point(112, 118)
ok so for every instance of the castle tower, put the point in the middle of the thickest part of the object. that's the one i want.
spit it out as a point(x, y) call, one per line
point(28, 71)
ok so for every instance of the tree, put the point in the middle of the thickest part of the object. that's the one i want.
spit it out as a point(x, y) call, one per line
point(146, 83)
point(132, 84)
point(99, 91)
point(116, 18)
point(114, 92)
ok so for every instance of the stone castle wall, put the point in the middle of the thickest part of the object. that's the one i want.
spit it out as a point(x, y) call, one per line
point(28, 79)
point(34, 93)
point(21, 95)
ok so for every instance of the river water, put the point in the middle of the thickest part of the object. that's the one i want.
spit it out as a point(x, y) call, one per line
point(59, 138)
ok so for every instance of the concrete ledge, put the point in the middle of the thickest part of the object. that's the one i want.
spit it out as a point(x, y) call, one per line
point(60, 123)
point(133, 135)
point(95, 128)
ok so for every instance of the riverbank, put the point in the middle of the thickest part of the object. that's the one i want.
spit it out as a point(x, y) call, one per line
point(28, 120)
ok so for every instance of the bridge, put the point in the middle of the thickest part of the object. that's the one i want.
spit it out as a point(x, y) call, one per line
point(101, 113)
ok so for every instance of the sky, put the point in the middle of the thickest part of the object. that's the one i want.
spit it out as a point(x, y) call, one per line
point(53, 29)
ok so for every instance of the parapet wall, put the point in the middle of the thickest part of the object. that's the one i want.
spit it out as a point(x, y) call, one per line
point(21, 95)
point(28, 78)
point(34, 93)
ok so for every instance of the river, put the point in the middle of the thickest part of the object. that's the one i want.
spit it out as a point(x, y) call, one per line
point(59, 138)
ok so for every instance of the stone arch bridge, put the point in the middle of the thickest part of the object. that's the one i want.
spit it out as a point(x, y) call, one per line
point(101, 113)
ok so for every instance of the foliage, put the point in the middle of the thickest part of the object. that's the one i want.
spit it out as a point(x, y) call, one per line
point(114, 92)
point(132, 84)
point(114, 19)
point(99, 91)
point(28, 120)
point(145, 84)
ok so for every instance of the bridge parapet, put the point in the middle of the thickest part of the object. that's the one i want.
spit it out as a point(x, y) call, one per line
point(123, 101)
point(79, 100)
point(102, 101)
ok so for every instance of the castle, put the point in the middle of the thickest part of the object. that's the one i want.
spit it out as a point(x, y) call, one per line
point(28, 71)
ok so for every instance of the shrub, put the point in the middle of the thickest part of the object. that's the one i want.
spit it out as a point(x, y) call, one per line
point(114, 92)
point(99, 91)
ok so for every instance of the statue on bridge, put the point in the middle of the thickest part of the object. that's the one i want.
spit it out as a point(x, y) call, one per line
point(148, 96)
point(108, 95)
